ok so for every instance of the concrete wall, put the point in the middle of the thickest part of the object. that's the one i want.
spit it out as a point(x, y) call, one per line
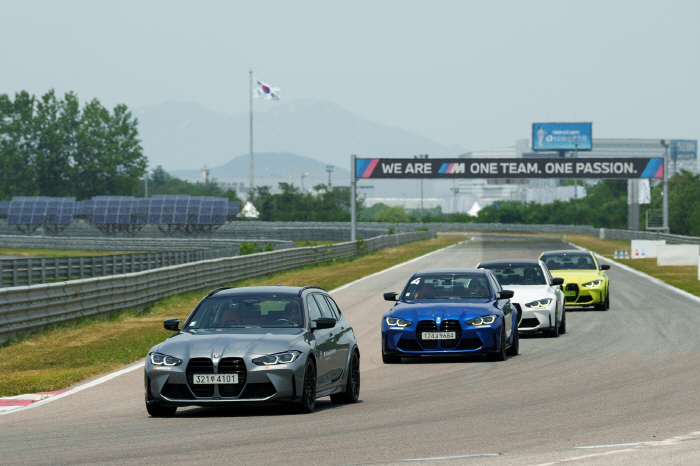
point(644, 248)
point(678, 254)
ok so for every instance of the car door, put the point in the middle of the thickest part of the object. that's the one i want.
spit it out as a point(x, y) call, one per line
point(344, 333)
point(557, 292)
point(335, 351)
point(325, 363)
point(503, 304)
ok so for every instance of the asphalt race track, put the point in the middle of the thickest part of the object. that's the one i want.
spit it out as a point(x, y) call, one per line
point(624, 382)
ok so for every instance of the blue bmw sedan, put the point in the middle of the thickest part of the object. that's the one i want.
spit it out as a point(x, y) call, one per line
point(450, 311)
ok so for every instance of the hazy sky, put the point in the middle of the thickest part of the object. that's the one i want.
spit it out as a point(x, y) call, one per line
point(475, 74)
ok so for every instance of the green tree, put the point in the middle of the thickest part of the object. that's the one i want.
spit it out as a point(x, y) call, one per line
point(49, 147)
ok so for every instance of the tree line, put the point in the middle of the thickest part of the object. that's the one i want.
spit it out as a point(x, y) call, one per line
point(49, 146)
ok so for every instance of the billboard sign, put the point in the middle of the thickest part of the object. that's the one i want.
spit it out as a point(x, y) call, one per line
point(593, 168)
point(684, 149)
point(562, 136)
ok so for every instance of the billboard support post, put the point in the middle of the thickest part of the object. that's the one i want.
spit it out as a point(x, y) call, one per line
point(665, 191)
point(353, 199)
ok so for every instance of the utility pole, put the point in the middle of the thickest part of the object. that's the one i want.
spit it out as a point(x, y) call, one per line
point(303, 175)
point(421, 156)
point(665, 191)
point(251, 188)
point(353, 200)
point(329, 169)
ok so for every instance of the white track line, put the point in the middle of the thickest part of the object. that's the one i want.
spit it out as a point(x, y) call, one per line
point(139, 364)
point(437, 458)
point(642, 274)
point(80, 388)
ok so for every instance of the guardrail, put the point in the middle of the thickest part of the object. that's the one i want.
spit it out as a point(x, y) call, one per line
point(27, 308)
point(30, 271)
point(131, 244)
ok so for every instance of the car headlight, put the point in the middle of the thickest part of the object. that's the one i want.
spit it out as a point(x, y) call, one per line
point(396, 322)
point(485, 320)
point(279, 358)
point(593, 284)
point(159, 359)
point(539, 303)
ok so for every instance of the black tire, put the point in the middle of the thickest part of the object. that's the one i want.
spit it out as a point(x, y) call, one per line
point(515, 346)
point(156, 410)
point(352, 387)
point(607, 300)
point(562, 325)
point(308, 391)
point(501, 354)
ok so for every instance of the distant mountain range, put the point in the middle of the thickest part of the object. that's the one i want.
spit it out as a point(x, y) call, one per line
point(267, 164)
point(187, 136)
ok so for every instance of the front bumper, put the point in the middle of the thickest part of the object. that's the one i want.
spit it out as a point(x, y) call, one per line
point(172, 385)
point(583, 296)
point(406, 341)
point(537, 319)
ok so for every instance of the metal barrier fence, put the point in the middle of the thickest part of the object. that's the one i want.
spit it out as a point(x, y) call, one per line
point(340, 231)
point(78, 243)
point(30, 271)
point(27, 308)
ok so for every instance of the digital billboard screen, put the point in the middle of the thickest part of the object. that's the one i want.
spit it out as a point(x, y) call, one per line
point(562, 136)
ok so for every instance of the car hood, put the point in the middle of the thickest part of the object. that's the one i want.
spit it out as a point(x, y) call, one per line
point(417, 311)
point(204, 343)
point(528, 293)
point(577, 276)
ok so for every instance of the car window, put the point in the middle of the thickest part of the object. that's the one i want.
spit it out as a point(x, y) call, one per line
point(447, 286)
point(248, 311)
point(325, 308)
point(518, 274)
point(567, 261)
point(334, 306)
point(314, 310)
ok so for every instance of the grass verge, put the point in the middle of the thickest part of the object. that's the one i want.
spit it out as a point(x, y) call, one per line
point(680, 276)
point(59, 357)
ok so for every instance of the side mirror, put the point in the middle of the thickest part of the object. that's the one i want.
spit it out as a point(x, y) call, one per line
point(323, 322)
point(391, 296)
point(604, 266)
point(557, 281)
point(505, 294)
point(172, 324)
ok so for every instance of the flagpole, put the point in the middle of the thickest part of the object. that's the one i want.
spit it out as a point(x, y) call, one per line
point(250, 94)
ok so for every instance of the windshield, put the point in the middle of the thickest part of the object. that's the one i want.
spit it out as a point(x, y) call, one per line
point(248, 311)
point(569, 262)
point(518, 274)
point(447, 287)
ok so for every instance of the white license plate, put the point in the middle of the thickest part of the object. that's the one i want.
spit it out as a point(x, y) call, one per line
point(439, 335)
point(202, 379)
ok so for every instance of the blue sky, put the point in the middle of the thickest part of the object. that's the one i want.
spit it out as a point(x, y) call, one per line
point(476, 74)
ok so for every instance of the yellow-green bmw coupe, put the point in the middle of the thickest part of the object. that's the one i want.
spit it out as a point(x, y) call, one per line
point(585, 281)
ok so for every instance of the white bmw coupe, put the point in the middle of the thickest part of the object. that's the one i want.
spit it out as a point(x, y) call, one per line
point(538, 295)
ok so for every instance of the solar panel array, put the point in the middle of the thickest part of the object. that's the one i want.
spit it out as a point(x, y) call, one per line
point(4, 207)
point(41, 210)
point(120, 210)
point(187, 210)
